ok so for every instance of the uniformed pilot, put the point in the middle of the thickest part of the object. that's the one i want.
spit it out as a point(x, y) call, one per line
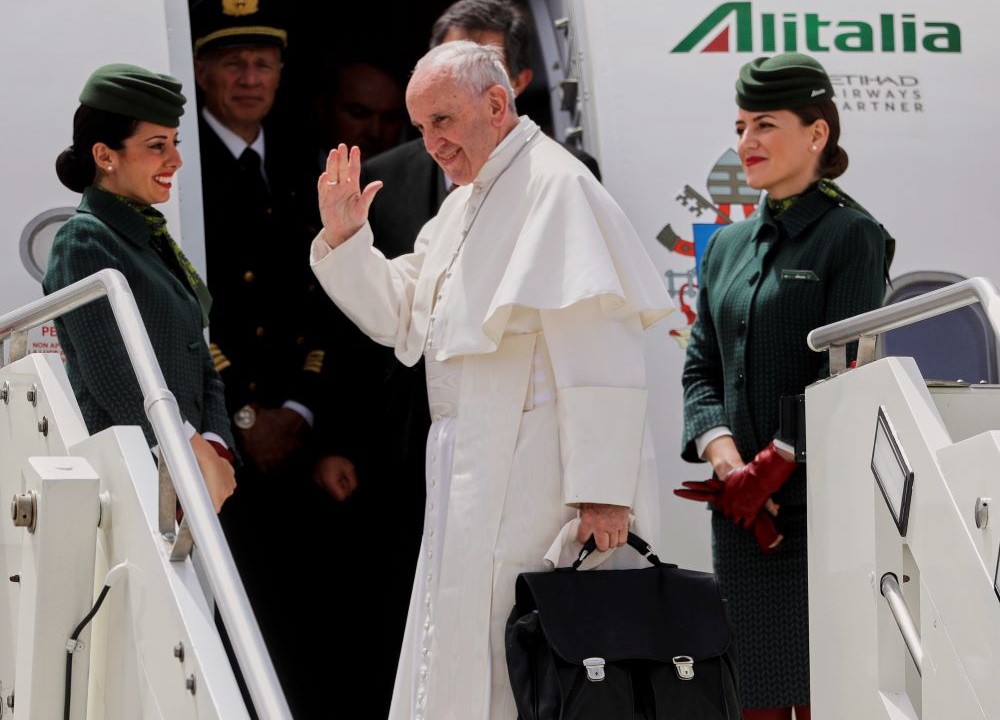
point(260, 214)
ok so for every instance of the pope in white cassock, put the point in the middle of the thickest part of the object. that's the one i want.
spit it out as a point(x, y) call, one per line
point(528, 294)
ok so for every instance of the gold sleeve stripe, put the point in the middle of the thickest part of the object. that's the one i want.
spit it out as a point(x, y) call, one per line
point(220, 360)
point(314, 361)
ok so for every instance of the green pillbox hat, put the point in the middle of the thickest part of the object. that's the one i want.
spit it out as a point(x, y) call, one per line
point(135, 92)
point(783, 82)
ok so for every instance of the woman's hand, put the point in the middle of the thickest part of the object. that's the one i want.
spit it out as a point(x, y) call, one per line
point(220, 477)
point(343, 207)
point(723, 456)
point(746, 490)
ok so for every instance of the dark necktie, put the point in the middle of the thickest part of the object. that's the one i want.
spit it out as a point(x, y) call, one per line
point(250, 162)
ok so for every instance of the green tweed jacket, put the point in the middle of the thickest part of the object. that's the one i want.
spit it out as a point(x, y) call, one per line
point(764, 284)
point(107, 233)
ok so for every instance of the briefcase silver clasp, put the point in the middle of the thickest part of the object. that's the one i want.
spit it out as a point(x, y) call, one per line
point(595, 669)
point(684, 665)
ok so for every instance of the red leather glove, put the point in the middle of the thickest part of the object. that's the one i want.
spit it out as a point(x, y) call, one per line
point(746, 489)
point(701, 490)
point(764, 530)
point(222, 451)
point(766, 533)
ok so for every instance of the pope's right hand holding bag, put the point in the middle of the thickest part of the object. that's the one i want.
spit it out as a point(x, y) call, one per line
point(746, 489)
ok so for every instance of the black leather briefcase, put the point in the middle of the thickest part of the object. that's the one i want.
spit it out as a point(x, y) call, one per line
point(646, 644)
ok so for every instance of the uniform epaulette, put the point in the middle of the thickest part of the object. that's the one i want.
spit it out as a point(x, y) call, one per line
point(314, 361)
point(220, 360)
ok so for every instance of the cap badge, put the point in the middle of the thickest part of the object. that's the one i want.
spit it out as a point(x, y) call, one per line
point(239, 7)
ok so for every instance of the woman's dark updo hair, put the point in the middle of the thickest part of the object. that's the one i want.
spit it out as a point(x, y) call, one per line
point(75, 165)
point(833, 162)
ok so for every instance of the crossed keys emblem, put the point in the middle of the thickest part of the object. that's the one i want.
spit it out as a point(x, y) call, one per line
point(697, 204)
point(726, 186)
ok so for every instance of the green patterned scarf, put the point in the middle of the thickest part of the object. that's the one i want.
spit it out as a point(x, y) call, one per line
point(779, 206)
point(161, 236)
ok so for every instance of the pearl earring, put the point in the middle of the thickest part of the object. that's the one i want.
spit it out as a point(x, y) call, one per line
point(110, 168)
point(813, 148)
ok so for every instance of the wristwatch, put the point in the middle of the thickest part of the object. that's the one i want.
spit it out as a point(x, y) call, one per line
point(245, 417)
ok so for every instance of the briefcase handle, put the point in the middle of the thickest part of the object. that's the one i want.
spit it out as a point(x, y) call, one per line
point(637, 543)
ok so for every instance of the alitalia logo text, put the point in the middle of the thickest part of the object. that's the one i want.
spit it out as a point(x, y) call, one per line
point(733, 26)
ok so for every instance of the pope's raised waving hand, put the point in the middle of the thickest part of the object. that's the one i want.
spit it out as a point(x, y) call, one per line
point(343, 206)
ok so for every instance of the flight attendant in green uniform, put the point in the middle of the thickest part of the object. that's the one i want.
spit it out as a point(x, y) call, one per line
point(123, 160)
point(808, 257)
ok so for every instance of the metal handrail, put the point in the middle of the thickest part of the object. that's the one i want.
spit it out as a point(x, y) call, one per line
point(867, 326)
point(901, 614)
point(161, 409)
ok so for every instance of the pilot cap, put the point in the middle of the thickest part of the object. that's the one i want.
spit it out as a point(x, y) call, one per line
point(135, 92)
point(782, 82)
point(236, 23)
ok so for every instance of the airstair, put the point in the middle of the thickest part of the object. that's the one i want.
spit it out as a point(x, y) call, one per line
point(903, 476)
point(108, 607)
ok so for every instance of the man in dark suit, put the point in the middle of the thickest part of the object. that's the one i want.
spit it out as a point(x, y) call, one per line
point(360, 102)
point(260, 214)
